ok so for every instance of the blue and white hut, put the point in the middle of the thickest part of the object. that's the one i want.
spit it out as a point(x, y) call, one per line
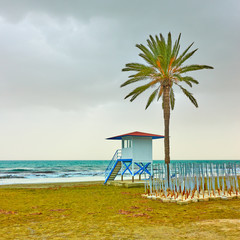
point(135, 156)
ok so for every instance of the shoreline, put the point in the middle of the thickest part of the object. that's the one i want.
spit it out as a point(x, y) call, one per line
point(35, 181)
point(54, 185)
point(49, 182)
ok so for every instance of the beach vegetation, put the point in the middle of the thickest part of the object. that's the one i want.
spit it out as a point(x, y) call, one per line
point(164, 68)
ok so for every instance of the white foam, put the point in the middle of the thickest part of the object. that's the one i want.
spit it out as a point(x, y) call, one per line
point(49, 180)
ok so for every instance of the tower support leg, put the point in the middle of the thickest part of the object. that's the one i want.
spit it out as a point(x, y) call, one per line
point(133, 171)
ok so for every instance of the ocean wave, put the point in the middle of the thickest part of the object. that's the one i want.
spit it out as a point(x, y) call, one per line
point(65, 175)
point(10, 176)
point(13, 170)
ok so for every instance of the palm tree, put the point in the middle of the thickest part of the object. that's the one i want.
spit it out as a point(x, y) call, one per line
point(163, 70)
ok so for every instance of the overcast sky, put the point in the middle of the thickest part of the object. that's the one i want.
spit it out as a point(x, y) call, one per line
point(60, 72)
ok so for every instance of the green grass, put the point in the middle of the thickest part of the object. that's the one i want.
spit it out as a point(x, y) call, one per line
point(82, 211)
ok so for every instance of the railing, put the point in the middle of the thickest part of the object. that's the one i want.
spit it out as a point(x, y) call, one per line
point(116, 156)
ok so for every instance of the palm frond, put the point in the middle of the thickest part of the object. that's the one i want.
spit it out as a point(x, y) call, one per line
point(168, 50)
point(134, 67)
point(146, 55)
point(182, 55)
point(137, 91)
point(189, 80)
point(153, 46)
point(143, 72)
point(147, 59)
point(152, 97)
point(178, 77)
point(162, 39)
point(186, 57)
point(133, 80)
point(188, 83)
point(182, 79)
point(176, 47)
point(190, 96)
point(194, 68)
point(161, 45)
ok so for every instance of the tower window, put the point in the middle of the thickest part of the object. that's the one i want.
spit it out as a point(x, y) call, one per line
point(127, 143)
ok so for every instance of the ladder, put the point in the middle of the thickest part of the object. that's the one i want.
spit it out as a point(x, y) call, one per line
point(113, 167)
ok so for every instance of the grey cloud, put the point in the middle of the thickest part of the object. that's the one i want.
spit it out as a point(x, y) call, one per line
point(52, 42)
point(73, 65)
point(67, 56)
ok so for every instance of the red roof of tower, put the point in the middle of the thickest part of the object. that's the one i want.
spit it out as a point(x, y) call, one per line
point(136, 134)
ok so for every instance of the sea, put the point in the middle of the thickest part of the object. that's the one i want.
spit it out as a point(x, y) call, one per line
point(22, 172)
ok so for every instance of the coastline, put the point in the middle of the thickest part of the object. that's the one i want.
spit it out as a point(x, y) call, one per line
point(36, 181)
point(55, 185)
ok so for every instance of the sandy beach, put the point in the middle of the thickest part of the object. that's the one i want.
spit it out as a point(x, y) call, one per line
point(90, 210)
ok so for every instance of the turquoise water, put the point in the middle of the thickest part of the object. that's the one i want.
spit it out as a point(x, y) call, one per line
point(51, 169)
point(61, 169)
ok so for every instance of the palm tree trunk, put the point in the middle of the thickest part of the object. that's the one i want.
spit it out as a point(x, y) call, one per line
point(166, 114)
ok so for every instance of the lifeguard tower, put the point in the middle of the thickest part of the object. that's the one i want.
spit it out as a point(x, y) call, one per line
point(134, 157)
